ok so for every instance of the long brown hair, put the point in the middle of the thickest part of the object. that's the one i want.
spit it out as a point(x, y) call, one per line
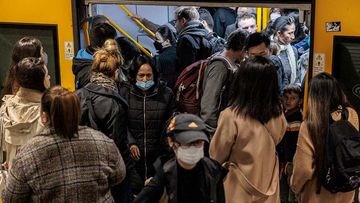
point(107, 59)
point(325, 95)
point(63, 108)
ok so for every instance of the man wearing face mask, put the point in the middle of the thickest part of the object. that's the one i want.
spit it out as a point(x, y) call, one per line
point(165, 61)
point(189, 176)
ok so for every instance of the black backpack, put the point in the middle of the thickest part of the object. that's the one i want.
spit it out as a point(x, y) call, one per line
point(200, 43)
point(217, 43)
point(341, 166)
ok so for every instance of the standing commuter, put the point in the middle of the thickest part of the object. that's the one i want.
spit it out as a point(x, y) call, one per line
point(165, 61)
point(192, 44)
point(101, 30)
point(65, 162)
point(103, 109)
point(217, 80)
point(25, 47)
point(292, 101)
point(151, 104)
point(223, 17)
point(21, 111)
point(325, 96)
point(247, 134)
point(245, 21)
point(189, 176)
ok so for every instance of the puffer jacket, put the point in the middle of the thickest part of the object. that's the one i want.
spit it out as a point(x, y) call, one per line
point(19, 120)
point(147, 117)
point(81, 67)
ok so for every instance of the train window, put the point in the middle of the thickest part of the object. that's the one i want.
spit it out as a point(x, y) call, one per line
point(47, 34)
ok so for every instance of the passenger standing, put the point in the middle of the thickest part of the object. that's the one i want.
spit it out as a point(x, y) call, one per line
point(247, 134)
point(292, 101)
point(19, 114)
point(284, 34)
point(189, 176)
point(25, 47)
point(101, 30)
point(223, 17)
point(64, 163)
point(192, 44)
point(325, 95)
point(151, 104)
point(245, 21)
point(165, 61)
point(217, 80)
point(103, 109)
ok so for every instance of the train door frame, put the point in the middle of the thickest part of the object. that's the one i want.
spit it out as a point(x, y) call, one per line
point(298, 4)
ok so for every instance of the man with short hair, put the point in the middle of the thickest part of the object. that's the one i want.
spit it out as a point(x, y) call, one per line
point(189, 176)
point(245, 21)
point(192, 44)
point(257, 44)
point(218, 77)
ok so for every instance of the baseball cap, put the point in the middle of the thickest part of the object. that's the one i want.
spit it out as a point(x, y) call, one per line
point(187, 128)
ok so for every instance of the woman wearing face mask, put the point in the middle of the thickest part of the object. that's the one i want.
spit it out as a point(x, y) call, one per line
point(189, 176)
point(284, 33)
point(247, 134)
point(165, 61)
point(151, 104)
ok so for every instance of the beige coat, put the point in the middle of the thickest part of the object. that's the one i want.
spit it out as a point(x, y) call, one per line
point(249, 147)
point(303, 181)
point(19, 120)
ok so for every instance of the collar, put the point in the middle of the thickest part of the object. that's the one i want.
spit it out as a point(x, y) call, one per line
point(30, 94)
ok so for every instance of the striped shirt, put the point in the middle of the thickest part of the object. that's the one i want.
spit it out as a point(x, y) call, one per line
point(51, 168)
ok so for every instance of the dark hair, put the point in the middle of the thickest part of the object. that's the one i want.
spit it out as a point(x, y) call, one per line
point(299, 31)
point(25, 47)
point(276, 10)
point(30, 73)
point(292, 88)
point(206, 16)
point(236, 40)
point(281, 23)
point(100, 33)
point(256, 39)
point(257, 95)
point(166, 33)
point(63, 108)
point(138, 62)
point(325, 95)
point(127, 48)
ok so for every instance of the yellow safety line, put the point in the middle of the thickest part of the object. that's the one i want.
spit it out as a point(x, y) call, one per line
point(137, 21)
point(123, 32)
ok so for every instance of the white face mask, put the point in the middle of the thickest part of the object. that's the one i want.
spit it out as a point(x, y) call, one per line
point(190, 155)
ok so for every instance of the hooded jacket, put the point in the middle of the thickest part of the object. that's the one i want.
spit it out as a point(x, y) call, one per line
point(167, 178)
point(192, 45)
point(20, 116)
point(147, 117)
point(81, 67)
point(247, 147)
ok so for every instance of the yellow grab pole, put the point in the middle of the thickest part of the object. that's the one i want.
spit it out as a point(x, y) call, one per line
point(258, 19)
point(123, 32)
point(86, 33)
point(137, 21)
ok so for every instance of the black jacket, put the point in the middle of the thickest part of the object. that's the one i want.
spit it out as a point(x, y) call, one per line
point(147, 117)
point(166, 65)
point(110, 111)
point(166, 177)
point(81, 67)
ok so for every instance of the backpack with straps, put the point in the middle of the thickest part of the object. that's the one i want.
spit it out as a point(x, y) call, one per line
point(189, 85)
point(201, 44)
point(341, 166)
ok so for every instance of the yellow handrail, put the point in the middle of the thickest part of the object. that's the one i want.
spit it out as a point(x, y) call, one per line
point(86, 33)
point(137, 21)
point(123, 32)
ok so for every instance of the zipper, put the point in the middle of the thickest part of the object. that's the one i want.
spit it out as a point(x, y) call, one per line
point(145, 150)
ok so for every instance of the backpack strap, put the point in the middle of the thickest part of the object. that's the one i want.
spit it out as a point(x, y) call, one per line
point(92, 115)
point(193, 42)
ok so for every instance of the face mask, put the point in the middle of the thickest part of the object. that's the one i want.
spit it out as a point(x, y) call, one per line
point(273, 16)
point(145, 85)
point(157, 45)
point(190, 155)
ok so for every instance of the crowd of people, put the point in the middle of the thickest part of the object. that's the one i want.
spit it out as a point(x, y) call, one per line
point(122, 136)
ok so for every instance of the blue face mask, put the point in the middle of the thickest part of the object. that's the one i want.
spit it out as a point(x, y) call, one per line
point(145, 85)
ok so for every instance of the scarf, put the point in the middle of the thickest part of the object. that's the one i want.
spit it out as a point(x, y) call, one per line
point(103, 80)
point(292, 61)
point(193, 27)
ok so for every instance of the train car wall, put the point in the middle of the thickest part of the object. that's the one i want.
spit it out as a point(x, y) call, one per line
point(46, 12)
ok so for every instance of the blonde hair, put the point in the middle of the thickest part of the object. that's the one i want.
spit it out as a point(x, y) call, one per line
point(107, 59)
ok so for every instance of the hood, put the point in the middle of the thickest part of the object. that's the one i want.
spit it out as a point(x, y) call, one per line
point(84, 54)
point(193, 27)
point(21, 115)
point(79, 64)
